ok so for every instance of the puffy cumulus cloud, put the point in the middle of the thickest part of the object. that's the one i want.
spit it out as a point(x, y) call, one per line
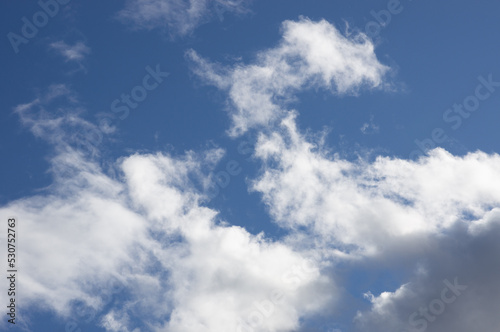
point(154, 179)
point(179, 17)
point(432, 224)
point(232, 281)
point(140, 225)
point(79, 233)
point(181, 268)
point(364, 204)
point(310, 54)
point(223, 277)
point(429, 224)
point(425, 223)
point(66, 247)
point(454, 287)
point(116, 322)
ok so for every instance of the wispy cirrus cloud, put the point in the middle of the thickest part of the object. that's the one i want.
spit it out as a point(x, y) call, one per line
point(178, 17)
point(76, 52)
point(370, 127)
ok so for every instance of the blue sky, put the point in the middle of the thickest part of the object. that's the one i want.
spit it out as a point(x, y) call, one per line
point(237, 165)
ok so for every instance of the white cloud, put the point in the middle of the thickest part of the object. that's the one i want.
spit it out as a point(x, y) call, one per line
point(421, 221)
point(437, 216)
point(414, 220)
point(310, 54)
point(76, 52)
point(180, 17)
point(147, 228)
point(228, 272)
point(370, 127)
point(366, 204)
point(458, 289)
point(114, 322)
point(183, 269)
